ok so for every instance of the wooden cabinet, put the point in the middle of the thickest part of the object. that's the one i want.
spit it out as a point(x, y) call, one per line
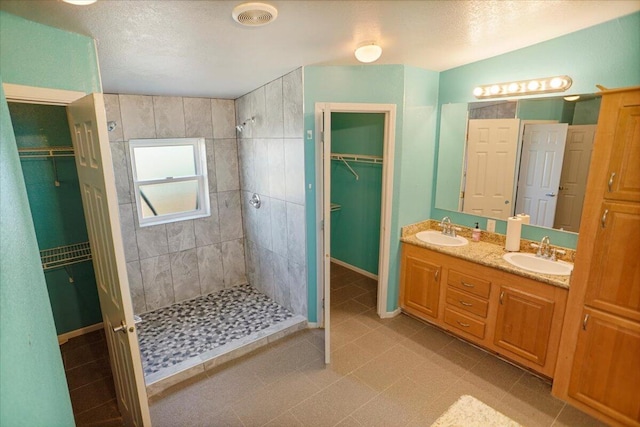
point(599, 363)
point(516, 317)
point(524, 324)
point(421, 293)
point(606, 367)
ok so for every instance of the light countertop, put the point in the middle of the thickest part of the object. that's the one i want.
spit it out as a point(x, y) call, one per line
point(488, 251)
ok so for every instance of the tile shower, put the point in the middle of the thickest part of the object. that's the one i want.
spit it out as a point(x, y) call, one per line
point(179, 269)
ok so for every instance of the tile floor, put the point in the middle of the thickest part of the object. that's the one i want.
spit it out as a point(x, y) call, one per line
point(93, 396)
point(392, 372)
point(186, 330)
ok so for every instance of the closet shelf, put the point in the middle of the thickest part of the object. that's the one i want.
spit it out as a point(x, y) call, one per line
point(40, 152)
point(335, 207)
point(357, 158)
point(65, 255)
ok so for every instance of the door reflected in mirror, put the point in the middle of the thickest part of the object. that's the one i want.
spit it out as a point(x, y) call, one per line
point(169, 179)
point(499, 158)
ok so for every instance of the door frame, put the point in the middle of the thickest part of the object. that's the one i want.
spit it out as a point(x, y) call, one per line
point(389, 111)
point(59, 97)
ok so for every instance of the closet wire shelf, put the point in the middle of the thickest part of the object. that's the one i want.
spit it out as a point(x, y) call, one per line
point(40, 152)
point(63, 256)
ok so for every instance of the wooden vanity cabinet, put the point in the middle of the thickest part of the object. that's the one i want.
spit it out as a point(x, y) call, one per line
point(421, 294)
point(518, 318)
point(599, 363)
point(523, 325)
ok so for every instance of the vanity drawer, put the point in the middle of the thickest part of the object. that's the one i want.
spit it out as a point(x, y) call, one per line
point(474, 285)
point(466, 302)
point(464, 323)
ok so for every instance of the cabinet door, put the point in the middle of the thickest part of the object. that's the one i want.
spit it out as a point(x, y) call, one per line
point(614, 277)
point(624, 173)
point(606, 366)
point(421, 290)
point(524, 324)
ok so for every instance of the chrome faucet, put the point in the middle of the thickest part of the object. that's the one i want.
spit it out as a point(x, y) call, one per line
point(446, 226)
point(544, 250)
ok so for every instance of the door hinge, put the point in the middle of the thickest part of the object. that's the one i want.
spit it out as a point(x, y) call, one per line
point(322, 224)
point(323, 303)
point(322, 136)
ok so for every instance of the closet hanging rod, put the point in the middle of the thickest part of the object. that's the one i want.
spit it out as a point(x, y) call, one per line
point(358, 158)
point(44, 152)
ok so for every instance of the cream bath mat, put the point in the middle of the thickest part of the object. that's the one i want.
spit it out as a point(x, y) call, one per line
point(470, 412)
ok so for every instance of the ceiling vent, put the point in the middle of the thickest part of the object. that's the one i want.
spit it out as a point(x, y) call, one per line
point(254, 14)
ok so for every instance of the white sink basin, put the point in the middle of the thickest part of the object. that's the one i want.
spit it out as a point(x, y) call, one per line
point(536, 264)
point(437, 238)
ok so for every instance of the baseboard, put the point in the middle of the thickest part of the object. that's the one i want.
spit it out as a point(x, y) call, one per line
point(389, 314)
point(354, 268)
point(63, 338)
point(313, 325)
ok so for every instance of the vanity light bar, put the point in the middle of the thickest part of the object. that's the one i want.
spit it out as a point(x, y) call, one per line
point(523, 87)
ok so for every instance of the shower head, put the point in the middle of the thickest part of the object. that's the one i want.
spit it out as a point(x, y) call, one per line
point(242, 125)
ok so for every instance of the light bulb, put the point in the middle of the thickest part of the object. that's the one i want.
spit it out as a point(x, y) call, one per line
point(533, 85)
point(80, 2)
point(478, 91)
point(369, 52)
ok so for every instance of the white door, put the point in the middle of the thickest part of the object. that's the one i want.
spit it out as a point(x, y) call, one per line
point(88, 123)
point(326, 231)
point(573, 179)
point(540, 167)
point(491, 164)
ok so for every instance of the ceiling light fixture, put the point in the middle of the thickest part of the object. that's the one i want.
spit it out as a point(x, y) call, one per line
point(523, 87)
point(572, 98)
point(80, 2)
point(368, 52)
point(254, 14)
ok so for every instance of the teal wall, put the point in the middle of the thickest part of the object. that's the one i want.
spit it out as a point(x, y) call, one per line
point(33, 389)
point(57, 212)
point(607, 54)
point(355, 228)
point(414, 92)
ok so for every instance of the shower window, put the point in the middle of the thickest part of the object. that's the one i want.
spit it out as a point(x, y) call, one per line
point(169, 179)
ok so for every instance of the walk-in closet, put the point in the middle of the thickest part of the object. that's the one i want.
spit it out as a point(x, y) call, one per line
point(357, 145)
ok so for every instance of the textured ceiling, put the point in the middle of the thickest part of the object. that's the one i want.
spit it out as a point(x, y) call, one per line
point(194, 48)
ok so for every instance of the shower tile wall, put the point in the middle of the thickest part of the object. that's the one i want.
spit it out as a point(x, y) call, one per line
point(174, 262)
point(271, 152)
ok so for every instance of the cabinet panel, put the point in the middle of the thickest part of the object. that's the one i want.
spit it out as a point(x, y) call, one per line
point(606, 366)
point(523, 324)
point(614, 284)
point(421, 287)
point(624, 173)
point(466, 302)
point(467, 283)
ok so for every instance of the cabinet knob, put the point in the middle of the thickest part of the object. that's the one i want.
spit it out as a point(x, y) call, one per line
point(610, 183)
point(466, 304)
point(501, 297)
point(467, 285)
point(464, 325)
point(437, 274)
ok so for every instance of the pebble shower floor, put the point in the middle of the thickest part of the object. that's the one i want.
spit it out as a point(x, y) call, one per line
point(184, 330)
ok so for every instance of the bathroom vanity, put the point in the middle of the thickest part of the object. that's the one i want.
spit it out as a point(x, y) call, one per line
point(472, 292)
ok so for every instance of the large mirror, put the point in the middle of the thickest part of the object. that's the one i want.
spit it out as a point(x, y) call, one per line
point(501, 158)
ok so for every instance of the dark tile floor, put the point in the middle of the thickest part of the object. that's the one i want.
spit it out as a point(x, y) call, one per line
point(90, 381)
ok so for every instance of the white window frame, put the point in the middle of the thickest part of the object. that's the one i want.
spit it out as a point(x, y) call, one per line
point(200, 162)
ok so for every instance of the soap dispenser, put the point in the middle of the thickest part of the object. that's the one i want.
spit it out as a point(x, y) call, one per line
point(475, 234)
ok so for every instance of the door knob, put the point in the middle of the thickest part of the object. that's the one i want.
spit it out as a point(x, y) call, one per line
point(550, 194)
point(122, 328)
